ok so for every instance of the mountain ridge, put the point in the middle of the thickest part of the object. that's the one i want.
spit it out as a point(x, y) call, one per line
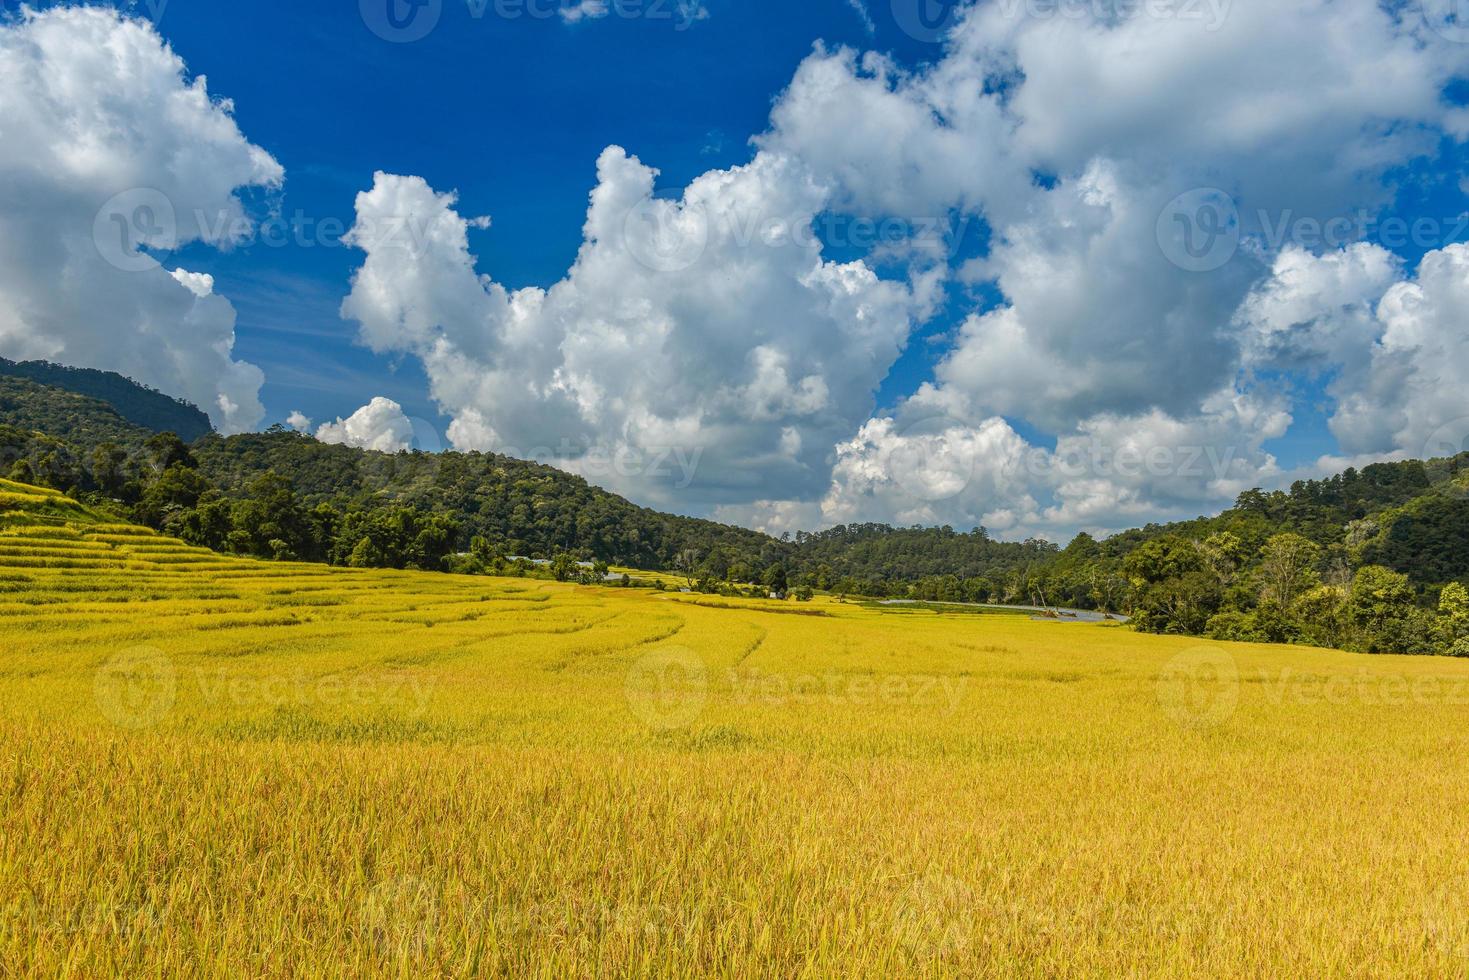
point(139, 404)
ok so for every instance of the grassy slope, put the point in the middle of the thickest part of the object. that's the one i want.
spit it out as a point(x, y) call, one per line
point(218, 766)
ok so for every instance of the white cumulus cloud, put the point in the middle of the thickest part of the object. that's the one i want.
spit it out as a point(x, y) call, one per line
point(1147, 379)
point(1394, 341)
point(1107, 338)
point(108, 145)
point(700, 327)
point(380, 425)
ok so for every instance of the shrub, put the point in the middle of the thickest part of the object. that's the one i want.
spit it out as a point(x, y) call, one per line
point(1233, 625)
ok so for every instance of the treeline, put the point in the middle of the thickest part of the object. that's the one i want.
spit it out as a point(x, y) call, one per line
point(280, 494)
point(46, 426)
point(1366, 560)
point(284, 495)
point(923, 558)
point(140, 405)
point(519, 507)
point(1373, 560)
point(860, 559)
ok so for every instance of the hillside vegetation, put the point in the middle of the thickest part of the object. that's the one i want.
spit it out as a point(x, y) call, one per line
point(1373, 559)
point(141, 406)
point(215, 764)
point(282, 494)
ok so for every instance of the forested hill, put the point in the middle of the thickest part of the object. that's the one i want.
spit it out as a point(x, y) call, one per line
point(1374, 559)
point(883, 553)
point(51, 420)
point(282, 493)
point(519, 507)
point(1309, 564)
point(140, 405)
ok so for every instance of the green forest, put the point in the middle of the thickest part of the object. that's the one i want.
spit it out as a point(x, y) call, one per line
point(1375, 559)
point(142, 406)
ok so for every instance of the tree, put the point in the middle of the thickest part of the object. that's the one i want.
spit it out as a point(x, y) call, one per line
point(433, 542)
point(273, 512)
point(1178, 605)
point(804, 594)
point(206, 526)
point(177, 488)
point(165, 450)
point(1223, 554)
point(485, 552)
point(1453, 610)
point(1378, 596)
point(1287, 568)
point(1384, 614)
point(1108, 589)
point(775, 580)
point(563, 567)
point(1162, 559)
point(108, 461)
point(1359, 532)
point(1322, 613)
point(1275, 624)
point(366, 554)
point(1234, 625)
point(686, 563)
point(57, 469)
point(1453, 605)
point(1254, 500)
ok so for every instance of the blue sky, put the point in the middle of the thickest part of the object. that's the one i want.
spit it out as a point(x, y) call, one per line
point(1114, 238)
point(510, 112)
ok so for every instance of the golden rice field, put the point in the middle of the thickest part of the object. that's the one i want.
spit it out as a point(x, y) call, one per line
point(217, 767)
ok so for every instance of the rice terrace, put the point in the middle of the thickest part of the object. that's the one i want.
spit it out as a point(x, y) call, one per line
point(293, 770)
point(734, 489)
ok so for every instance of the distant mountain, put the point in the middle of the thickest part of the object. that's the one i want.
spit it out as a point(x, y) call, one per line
point(57, 416)
point(138, 404)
